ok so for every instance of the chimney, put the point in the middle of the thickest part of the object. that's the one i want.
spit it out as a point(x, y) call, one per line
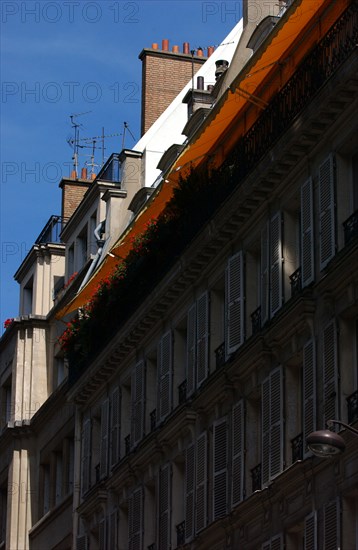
point(200, 83)
point(175, 49)
point(154, 46)
point(221, 66)
point(186, 48)
point(84, 174)
point(165, 45)
point(72, 194)
point(210, 50)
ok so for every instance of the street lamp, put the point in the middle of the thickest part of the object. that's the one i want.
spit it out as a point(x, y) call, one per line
point(325, 443)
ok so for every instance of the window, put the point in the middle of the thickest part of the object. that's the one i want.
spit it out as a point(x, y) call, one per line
point(196, 487)
point(220, 468)
point(275, 543)
point(310, 532)
point(331, 525)
point(135, 519)
point(164, 507)
point(115, 426)
point(138, 403)
point(330, 372)
point(234, 303)
point(86, 456)
point(27, 297)
point(307, 236)
point(198, 343)
point(272, 425)
point(237, 450)
point(165, 374)
point(309, 391)
point(104, 445)
point(271, 268)
point(327, 230)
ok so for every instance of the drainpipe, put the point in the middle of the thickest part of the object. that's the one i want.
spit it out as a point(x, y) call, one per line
point(98, 232)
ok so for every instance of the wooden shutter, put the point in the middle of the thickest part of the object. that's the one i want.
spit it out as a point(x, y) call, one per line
point(138, 393)
point(102, 534)
point(331, 534)
point(202, 338)
point(103, 467)
point(310, 535)
point(164, 507)
point(272, 426)
point(191, 350)
point(326, 212)
point(113, 530)
point(165, 375)
point(135, 520)
point(264, 274)
point(220, 460)
point(201, 483)
point(82, 542)
point(189, 492)
point(266, 545)
point(235, 303)
point(237, 439)
point(115, 425)
point(86, 456)
point(277, 542)
point(276, 263)
point(330, 372)
point(309, 391)
point(307, 235)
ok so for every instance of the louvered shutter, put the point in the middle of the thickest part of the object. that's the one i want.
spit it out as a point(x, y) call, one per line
point(237, 438)
point(332, 525)
point(330, 372)
point(307, 236)
point(189, 492)
point(276, 264)
point(102, 534)
point(191, 350)
point(220, 460)
point(165, 375)
point(309, 391)
point(113, 530)
point(276, 420)
point(135, 519)
point(265, 423)
point(326, 212)
point(264, 274)
point(202, 338)
point(82, 542)
point(310, 536)
point(86, 456)
point(103, 467)
point(235, 303)
point(115, 425)
point(164, 507)
point(277, 542)
point(266, 546)
point(201, 483)
point(138, 391)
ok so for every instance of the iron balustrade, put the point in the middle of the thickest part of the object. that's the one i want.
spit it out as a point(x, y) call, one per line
point(297, 448)
point(350, 228)
point(256, 321)
point(127, 444)
point(52, 230)
point(182, 392)
point(180, 529)
point(153, 419)
point(220, 358)
point(296, 282)
point(256, 478)
point(352, 403)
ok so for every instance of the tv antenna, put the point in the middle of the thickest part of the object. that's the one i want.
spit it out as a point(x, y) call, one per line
point(102, 137)
point(74, 142)
point(126, 129)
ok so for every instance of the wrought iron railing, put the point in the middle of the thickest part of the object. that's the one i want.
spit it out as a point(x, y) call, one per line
point(352, 403)
point(220, 358)
point(256, 478)
point(180, 528)
point(297, 448)
point(153, 419)
point(111, 170)
point(127, 444)
point(52, 230)
point(152, 546)
point(350, 228)
point(296, 282)
point(182, 392)
point(256, 321)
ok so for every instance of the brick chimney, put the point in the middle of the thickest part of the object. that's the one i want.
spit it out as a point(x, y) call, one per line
point(164, 75)
point(73, 191)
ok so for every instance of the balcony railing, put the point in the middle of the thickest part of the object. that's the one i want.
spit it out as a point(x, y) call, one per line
point(256, 321)
point(352, 403)
point(220, 358)
point(256, 478)
point(153, 419)
point(350, 228)
point(52, 230)
point(111, 170)
point(152, 546)
point(180, 528)
point(127, 444)
point(296, 282)
point(297, 448)
point(182, 392)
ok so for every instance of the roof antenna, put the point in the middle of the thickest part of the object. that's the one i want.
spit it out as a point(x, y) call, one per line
point(102, 138)
point(75, 141)
point(126, 128)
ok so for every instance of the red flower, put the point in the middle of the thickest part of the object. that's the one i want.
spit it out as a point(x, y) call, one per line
point(8, 322)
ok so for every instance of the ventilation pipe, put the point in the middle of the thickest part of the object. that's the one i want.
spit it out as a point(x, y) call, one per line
point(98, 233)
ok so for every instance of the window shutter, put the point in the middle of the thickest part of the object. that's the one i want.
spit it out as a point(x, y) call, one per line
point(220, 460)
point(330, 372)
point(309, 391)
point(307, 237)
point(164, 507)
point(103, 467)
point(326, 212)
point(272, 426)
point(277, 542)
point(86, 455)
point(276, 263)
point(202, 326)
point(266, 546)
point(82, 542)
point(237, 438)
point(191, 350)
point(235, 303)
point(165, 375)
point(201, 483)
point(102, 534)
point(189, 491)
point(113, 530)
point(135, 515)
point(310, 536)
point(265, 422)
point(138, 392)
point(332, 526)
point(115, 425)
point(264, 274)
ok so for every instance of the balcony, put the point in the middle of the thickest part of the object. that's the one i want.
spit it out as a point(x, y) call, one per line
point(352, 403)
point(52, 230)
point(350, 228)
point(111, 170)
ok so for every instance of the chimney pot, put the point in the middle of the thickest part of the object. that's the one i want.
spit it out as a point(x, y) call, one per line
point(154, 46)
point(210, 50)
point(199, 52)
point(73, 175)
point(165, 44)
point(84, 174)
point(175, 49)
point(200, 83)
point(93, 176)
point(186, 48)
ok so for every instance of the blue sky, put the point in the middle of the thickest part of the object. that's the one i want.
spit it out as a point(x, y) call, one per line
point(64, 57)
